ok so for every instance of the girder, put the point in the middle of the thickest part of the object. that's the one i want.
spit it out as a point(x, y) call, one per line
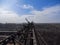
point(27, 36)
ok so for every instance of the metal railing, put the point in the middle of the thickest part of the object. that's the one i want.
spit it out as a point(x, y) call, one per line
point(25, 36)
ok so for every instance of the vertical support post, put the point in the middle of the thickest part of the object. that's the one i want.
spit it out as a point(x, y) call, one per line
point(31, 35)
point(13, 39)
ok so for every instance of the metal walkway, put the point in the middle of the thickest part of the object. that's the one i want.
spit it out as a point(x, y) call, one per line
point(27, 36)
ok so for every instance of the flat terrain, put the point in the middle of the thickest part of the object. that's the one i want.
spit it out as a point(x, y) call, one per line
point(49, 31)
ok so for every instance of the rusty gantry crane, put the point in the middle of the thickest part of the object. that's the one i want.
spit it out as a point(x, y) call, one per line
point(26, 36)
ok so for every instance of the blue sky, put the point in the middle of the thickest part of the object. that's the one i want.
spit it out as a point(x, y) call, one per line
point(37, 4)
point(41, 11)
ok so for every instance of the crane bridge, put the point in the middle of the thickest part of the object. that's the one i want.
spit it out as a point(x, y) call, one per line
point(26, 36)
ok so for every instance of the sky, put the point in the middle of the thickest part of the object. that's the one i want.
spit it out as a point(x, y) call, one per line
point(38, 11)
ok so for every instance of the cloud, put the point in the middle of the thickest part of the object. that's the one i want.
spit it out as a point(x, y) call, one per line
point(26, 7)
point(47, 15)
point(45, 11)
point(7, 16)
point(8, 4)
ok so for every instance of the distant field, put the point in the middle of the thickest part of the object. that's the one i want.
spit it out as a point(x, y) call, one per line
point(50, 32)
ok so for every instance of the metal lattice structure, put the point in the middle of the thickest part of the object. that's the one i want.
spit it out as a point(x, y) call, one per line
point(27, 36)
